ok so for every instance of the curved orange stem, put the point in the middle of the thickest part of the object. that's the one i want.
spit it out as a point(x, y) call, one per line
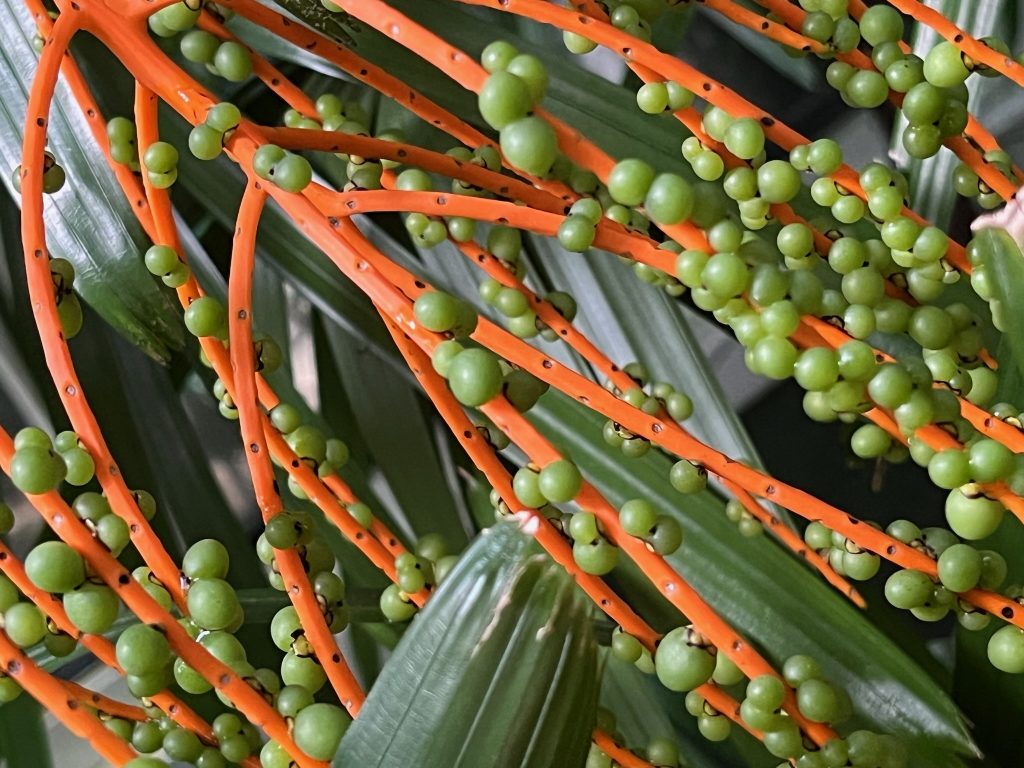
point(243, 362)
point(61, 703)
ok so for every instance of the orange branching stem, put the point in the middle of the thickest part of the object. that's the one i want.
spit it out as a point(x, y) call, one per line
point(97, 126)
point(620, 755)
point(975, 49)
point(677, 441)
point(487, 461)
point(796, 544)
point(62, 519)
point(63, 704)
point(409, 154)
point(667, 581)
point(361, 69)
point(485, 458)
point(55, 348)
point(592, 354)
point(379, 15)
point(277, 83)
point(99, 646)
point(969, 148)
point(244, 364)
point(159, 201)
point(766, 27)
point(540, 451)
point(439, 204)
point(976, 132)
point(981, 419)
point(104, 705)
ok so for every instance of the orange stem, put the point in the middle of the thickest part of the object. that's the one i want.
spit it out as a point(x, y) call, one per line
point(673, 438)
point(796, 544)
point(104, 704)
point(62, 704)
point(55, 348)
point(62, 519)
point(766, 27)
point(486, 460)
point(243, 363)
point(974, 48)
point(359, 68)
point(99, 646)
point(97, 125)
point(620, 755)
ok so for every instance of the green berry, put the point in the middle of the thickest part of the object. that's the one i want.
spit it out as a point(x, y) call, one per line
point(474, 376)
point(530, 145)
point(141, 649)
point(1006, 649)
point(53, 566)
point(669, 199)
point(778, 181)
point(232, 61)
point(766, 692)
point(318, 729)
point(213, 604)
point(503, 99)
point(559, 481)
point(24, 624)
point(206, 316)
point(36, 470)
point(92, 608)
point(817, 701)
point(292, 173)
point(629, 181)
point(681, 665)
point(206, 559)
point(908, 589)
point(576, 233)
point(973, 516)
point(944, 66)
point(960, 568)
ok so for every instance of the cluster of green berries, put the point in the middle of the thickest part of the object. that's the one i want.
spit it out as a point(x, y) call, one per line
point(968, 184)
point(205, 317)
point(662, 396)
point(162, 261)
point(961, 568)
point(206, 140)
point(845, 557)
point(426, 231)
point(124, 143)
point(53, 175)
point(289, 171)
point(595, 554)
point(667, 198)
point(69, 308)
point(747, 525)
point(268, 360)
point(53, 567)
point(353, 119)
point(236, 740)
point(655, 98)
point(932, 89)
point(423, 568)
point(21, 621)
point(659, 752)
point(38, 466)
point(161, 162)
point(506, 245)
point(516, 83)
point(223, 58)
point(324, 455)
